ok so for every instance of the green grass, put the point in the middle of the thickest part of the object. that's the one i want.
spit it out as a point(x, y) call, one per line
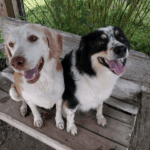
point(75, 16)
point(2, 55)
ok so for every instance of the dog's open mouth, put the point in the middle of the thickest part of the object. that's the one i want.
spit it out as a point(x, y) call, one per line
point(33, 75)
point(116, 66)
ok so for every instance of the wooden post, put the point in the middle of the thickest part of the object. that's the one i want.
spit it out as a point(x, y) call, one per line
point(11, 8)
point(141, 134)
point(3, 9)
point(16, 9)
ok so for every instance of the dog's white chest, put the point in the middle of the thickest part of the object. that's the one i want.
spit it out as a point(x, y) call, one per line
point(45, 93)
point(92, 91)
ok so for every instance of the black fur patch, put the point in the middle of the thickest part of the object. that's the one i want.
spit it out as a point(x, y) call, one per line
point(121, 34)
point(89, 45)
point(70, 87)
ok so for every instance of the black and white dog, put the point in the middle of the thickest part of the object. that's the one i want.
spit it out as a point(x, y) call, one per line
point(91, 71)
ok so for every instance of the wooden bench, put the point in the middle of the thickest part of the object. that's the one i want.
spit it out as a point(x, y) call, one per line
point(127, 110)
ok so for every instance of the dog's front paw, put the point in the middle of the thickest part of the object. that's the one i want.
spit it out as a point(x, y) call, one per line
point(38, 123)
point(60, 125)
point(102, 121)
point(72, 130)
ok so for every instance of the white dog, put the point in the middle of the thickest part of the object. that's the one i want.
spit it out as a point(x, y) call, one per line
point(33, 52)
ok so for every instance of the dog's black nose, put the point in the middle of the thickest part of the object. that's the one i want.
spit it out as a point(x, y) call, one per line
point(120, 50)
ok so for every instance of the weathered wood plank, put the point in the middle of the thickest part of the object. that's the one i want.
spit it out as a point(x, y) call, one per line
point(127, 91)
point(137, 68)
point(8, 70)
point(3, 94)
point(4, 83)
point(49, 134)
point(121, 134)
point(139, 54)
point(116, 131)
point(132, 109)
point(141, 135)
point(118, 115)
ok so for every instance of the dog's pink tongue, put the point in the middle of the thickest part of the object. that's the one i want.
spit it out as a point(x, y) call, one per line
point(29, 74)
point(116, 66)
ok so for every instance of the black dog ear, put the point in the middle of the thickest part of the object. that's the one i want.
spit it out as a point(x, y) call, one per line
point(83, 42)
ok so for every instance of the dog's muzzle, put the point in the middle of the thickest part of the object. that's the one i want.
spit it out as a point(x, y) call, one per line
point(120, 51)
point(116, 66)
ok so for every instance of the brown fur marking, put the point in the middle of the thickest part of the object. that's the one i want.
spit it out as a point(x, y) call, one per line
point(8, 53)
point(13, 86)
point(18, 82)
point(59, 66)
point(54, 43)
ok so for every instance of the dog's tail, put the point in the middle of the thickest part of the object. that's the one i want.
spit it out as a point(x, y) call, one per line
point(10, 76)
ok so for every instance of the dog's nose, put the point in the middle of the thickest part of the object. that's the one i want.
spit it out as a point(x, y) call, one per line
point(120, 50)
point(18, 62)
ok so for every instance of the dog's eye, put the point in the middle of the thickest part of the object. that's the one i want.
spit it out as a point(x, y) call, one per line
point(11, 44)
point(100, 42)
point(33, 38)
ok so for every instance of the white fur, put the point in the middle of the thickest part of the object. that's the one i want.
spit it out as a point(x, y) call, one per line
point(48, 89)
point(91, 92)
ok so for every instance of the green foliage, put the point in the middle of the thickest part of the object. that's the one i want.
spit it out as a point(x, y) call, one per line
point(84, 16)
point(2, 55)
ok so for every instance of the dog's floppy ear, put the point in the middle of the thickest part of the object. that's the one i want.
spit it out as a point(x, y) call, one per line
point(8, 53)
point(7, 50)
point(82, 43)
point(54, 42)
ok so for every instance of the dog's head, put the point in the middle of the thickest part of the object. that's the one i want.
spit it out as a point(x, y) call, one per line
point(30, 47)
point(106, 47)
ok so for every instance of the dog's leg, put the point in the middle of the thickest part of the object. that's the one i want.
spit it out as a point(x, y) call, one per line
point(58, 118)
point(38, 122)
point(23, 108)
point(14, 94)
point(100, 118)
point(70, 120)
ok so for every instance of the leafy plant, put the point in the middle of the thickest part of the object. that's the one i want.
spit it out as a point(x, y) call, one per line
point(84, 16)
point(2, 55)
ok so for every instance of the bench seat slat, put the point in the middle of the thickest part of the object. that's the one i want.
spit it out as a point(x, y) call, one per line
point(49, 134)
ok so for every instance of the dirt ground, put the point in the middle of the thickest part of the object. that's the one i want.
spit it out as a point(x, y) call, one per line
point(14, 139)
